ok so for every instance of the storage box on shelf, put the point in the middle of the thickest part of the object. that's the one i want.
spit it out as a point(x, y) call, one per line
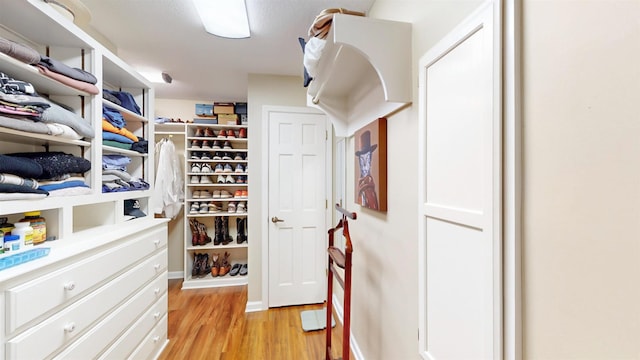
point(87, 226)
point(216, 163)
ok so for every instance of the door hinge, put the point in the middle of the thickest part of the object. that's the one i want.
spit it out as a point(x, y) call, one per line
point(326, 203)
point(326, 135)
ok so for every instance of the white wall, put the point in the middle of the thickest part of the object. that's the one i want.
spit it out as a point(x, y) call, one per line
point(263, 90)
point(385, 272)
point(581, 224)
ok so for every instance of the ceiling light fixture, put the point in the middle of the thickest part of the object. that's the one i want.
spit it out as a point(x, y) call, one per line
point(224, 18)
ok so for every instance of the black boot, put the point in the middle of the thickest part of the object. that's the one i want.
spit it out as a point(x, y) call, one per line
point(226, 238)
point(219, 237)
point(240, 224)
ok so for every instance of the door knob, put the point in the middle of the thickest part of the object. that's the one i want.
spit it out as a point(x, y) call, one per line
point(276, 220)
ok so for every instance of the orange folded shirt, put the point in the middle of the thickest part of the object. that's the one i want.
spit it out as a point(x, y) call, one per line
point(107, 126)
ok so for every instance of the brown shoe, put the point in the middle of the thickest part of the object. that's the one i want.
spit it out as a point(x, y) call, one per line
point(225, 266)
point(215, 265)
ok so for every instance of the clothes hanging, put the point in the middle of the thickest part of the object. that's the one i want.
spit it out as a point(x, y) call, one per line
point(168, 193)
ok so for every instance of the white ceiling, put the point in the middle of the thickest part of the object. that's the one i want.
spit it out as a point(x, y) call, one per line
point(167, 35)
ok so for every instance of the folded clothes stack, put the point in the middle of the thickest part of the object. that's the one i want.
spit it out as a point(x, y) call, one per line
point(115, 134)
point(41, 174)
point(115, 177)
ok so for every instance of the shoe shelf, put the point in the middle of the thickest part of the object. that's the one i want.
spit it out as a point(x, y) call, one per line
point(211, 140)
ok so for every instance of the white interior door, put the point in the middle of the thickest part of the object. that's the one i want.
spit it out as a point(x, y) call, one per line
point(461, 195)
point(297, 207)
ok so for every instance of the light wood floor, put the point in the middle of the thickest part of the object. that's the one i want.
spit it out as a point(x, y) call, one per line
point(212, 324)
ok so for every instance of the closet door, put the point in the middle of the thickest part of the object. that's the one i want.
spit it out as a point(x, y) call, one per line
point(460, 208)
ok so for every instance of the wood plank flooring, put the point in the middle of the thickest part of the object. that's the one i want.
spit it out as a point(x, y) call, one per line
point(212, 324)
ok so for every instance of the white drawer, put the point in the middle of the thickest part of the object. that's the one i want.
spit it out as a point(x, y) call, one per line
point(152, 301)
point(136, 333)
point(30, 300)
point(63, 327)
point(153, 343)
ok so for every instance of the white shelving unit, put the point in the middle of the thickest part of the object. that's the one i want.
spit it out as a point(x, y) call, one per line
point(364, 72)
point(90, 228)
point(238, 251)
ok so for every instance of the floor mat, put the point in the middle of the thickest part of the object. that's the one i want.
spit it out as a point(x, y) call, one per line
point(315, 319)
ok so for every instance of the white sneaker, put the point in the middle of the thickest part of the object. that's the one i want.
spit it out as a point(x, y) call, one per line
point(206, 168)
point(195, 207)
point(206, 180)
point(195, 179)
point(241, 207)
point(195, 168)
point(231, 207)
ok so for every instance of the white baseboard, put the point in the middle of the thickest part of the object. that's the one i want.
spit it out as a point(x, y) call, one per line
point(175, 275)
point(254, 306)
point(353, 344)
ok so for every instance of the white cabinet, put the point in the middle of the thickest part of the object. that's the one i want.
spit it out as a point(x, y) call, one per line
point(364, 71)
point(105, 272)
point(86, 315)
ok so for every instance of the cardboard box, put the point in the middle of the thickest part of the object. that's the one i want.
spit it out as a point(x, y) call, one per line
point(223, 108)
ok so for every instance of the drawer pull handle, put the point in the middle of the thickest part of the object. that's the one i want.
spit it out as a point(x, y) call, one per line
point(70, 327)
point(156, 315)
point(156, 242)
point(156, 338)
point(157, 291)
point(70, 286)
point(156, 266)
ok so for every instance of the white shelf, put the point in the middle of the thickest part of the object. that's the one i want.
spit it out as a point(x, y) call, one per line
point(208, 281)
point(29, 73)
point(24, 137)
point(115, 150)
point(364, 71)
point(128, 115)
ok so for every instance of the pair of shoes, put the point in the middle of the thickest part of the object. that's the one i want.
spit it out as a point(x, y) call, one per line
point(241, 208)
point(195, 208)
point(231, 134)
point(242, 133)
point(231, 207)
point(239, 168)
point(241, 194)
point(235, 269)
point(227, 168)
point(205, 179)
point(216, 144)
point(225, 266)
point(241, 179)
point(227, 145)
point(205, 168)
point(238, 156)
point(200, 264)
point(199, 234)
point(226, 156)
point(222, 134)
point(208, 132)
point(196, 144)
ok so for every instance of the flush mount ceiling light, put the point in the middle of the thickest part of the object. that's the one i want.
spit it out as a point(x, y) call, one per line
point(224, 18)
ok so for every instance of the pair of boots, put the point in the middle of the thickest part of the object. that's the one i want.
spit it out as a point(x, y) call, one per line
point(241, 225)
point(199, 234)
point(200, 264)
point(222, 231)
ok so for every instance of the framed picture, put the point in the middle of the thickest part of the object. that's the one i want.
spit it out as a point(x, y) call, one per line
point(371, 165)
